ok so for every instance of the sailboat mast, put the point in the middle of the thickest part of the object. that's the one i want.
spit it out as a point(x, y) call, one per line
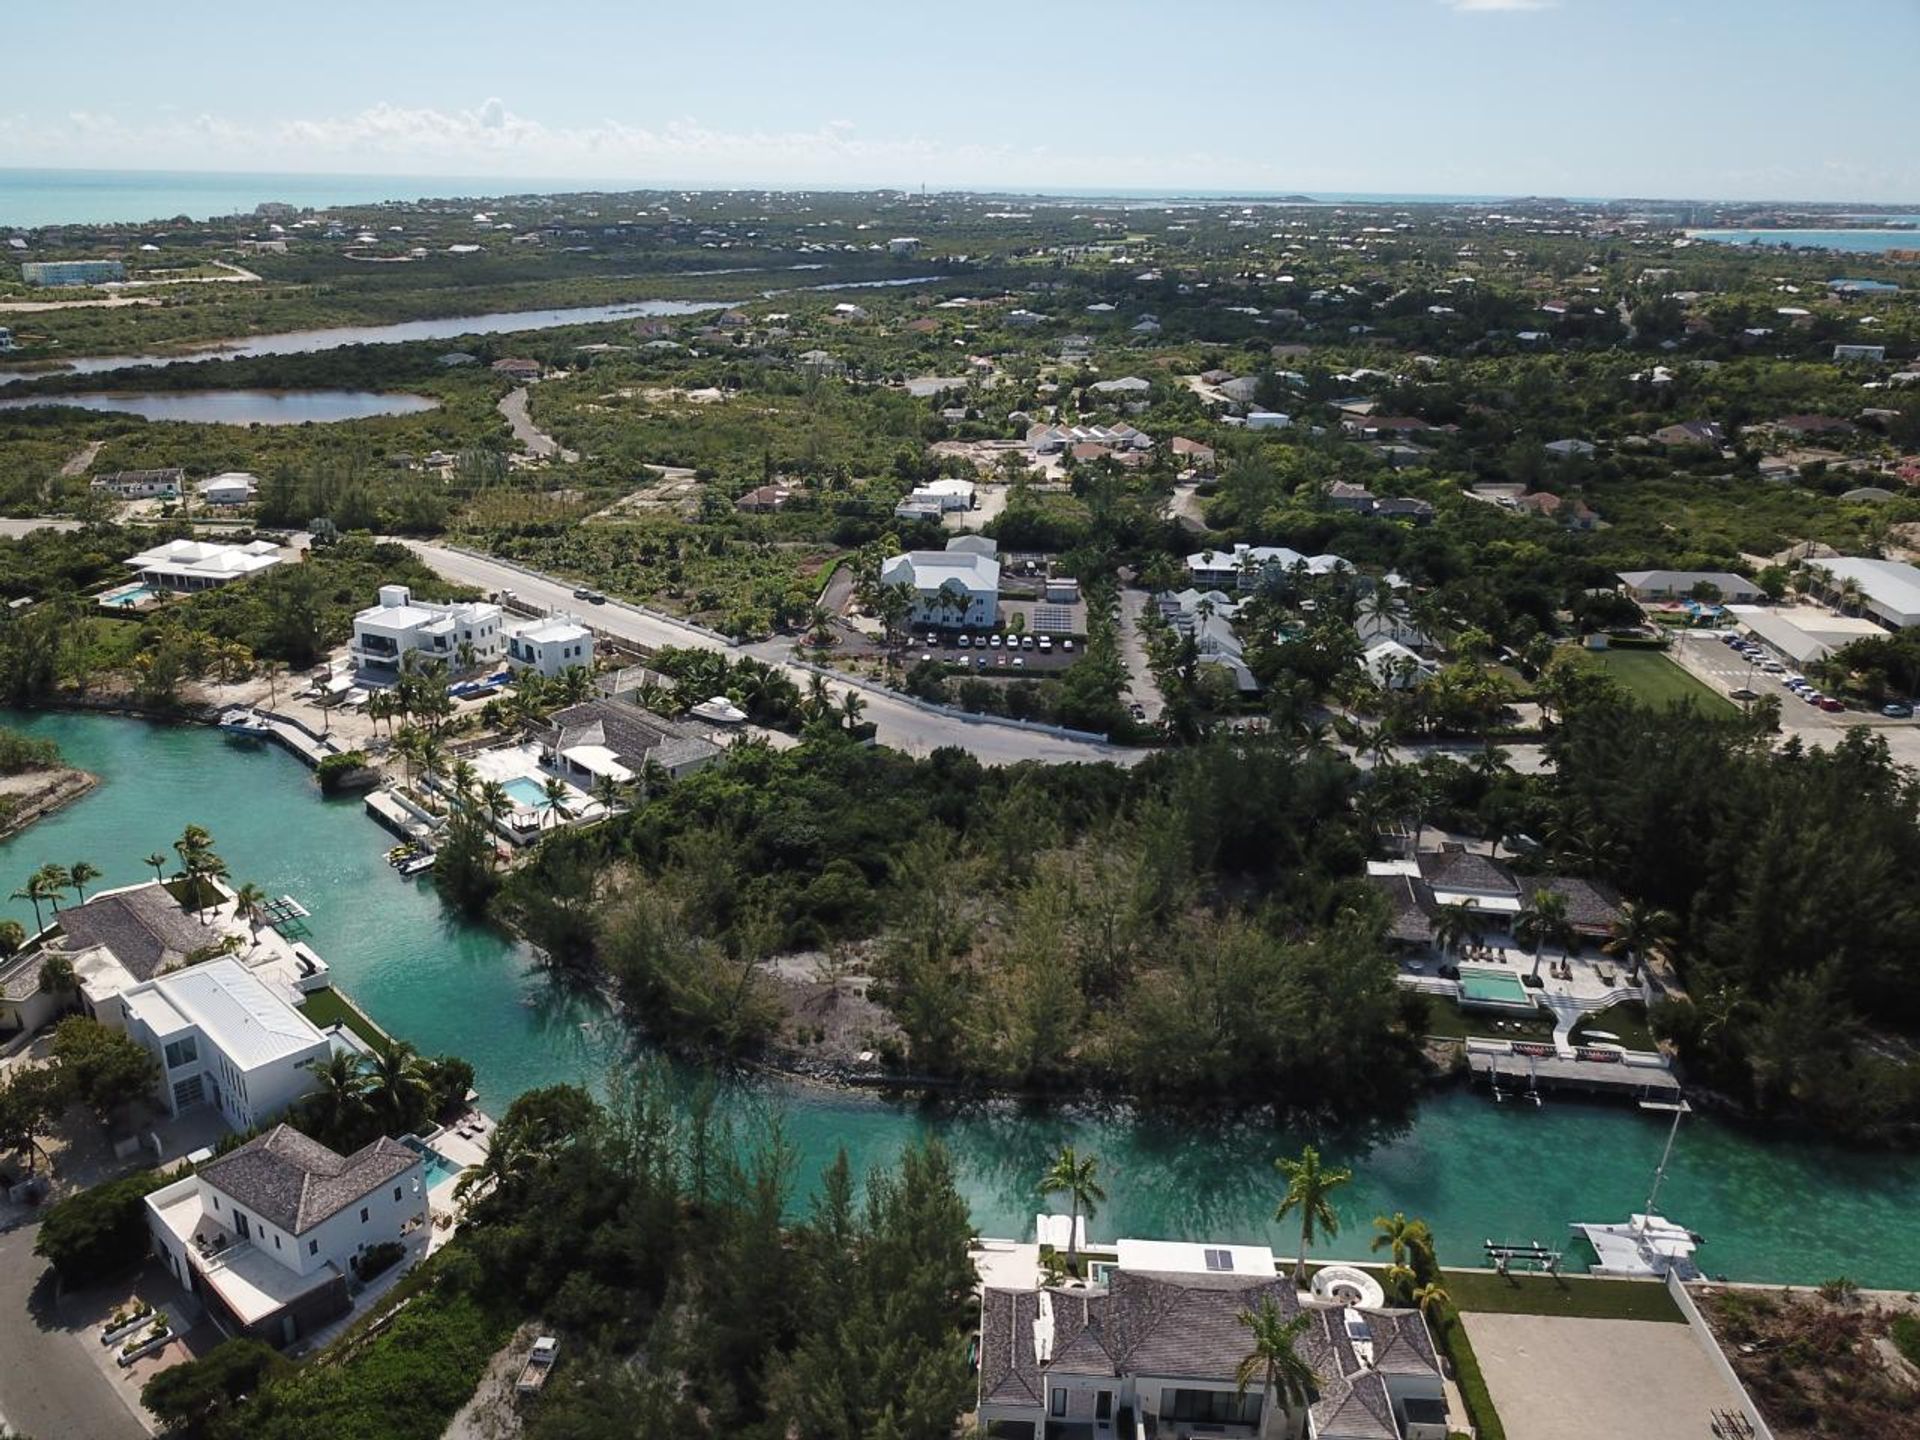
point(1660, 1171)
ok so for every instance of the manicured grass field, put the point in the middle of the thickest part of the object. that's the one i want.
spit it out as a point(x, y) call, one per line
point(1571, 1295)
point(1448, 1020)
point(1653, 679)
point(324, 1007)
point(1627, 1021)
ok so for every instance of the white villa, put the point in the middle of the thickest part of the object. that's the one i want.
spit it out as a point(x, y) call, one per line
point(1392, 666)
point(957, 587)
point(1052, 439)
point(550, 646)
point(399, 626)
point(200, 564)
point(267, 1235)
point(162, 484)
point(1153, 1345)
point(223, 1038)
point(1208, 616)
point(1245, 566)
point(233, 487)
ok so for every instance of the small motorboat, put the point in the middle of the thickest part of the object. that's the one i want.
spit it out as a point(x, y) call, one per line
point(416, 865)
point(245, 724)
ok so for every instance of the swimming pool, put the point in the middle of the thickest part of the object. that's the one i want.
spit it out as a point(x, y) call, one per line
point(439, 1168)
point(128, 598)
point(529, 792)
point(1493, 987)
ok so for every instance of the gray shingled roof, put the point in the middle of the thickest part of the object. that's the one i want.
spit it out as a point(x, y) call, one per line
point(1464, 870)
point(1009, 1370)
point(1591, 906)
point(145, 929)
point(1185, 1326)
point(1410, 906)
point(294, 1183)
point(1401, 1344)
point(635, 735)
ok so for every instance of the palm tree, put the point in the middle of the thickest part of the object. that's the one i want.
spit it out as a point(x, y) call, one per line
point(1455, 925)
point(1310, 1186)
point(57, 880)
point(460, 779)
point(1642, 931)
point(1542, 923)
point(495, 800)
point(1075, 1177)
point(340, 1089)
point(79, 873)
point(556, 793)
point(397, 1080)
point(1433, 1300)
point(609, 792)
point(1275, 1361)
point(852, 707)
point(250, 905)
point(35, 890)
point(158, 861)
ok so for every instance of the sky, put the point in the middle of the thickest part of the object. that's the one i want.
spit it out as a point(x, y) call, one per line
point(1707, 99)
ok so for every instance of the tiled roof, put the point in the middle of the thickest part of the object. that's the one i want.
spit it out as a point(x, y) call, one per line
point(1465, 870)
point(1410, 905)
point(295, 1183)
point(634, 735)
point(1591, 905)
point(1185, 1326)
point(1009, 1369)
point(145, 929)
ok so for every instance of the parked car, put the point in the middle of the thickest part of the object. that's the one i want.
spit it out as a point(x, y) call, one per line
point(1046, 642)
point(594, 597)
point(1026, 642)
point(1897, 710)
point(994, 641)
point(966, 642)
point(1743, 693)
point(1066, 644)
point(1019, 659)
point(1830, 705)
point(582, 593)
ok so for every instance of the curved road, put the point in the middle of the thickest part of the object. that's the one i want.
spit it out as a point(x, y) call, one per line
point(902, 724)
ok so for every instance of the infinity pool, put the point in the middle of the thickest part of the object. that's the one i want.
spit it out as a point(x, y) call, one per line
point(1495, 987)
point(529, 792)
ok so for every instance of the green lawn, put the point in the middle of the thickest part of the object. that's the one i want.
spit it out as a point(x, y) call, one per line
point(325, 1007)
point(1571, 1295)
point(1627, 1021)
point(1447, 1020)
point(1654, 680)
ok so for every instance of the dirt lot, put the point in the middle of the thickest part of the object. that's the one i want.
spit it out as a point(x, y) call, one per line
point(830, 1018)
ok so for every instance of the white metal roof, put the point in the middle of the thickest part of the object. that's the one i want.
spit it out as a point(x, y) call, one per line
point(236, 1012)
point(1891, 586)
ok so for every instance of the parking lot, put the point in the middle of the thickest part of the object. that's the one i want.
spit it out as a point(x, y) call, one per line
point(1012, 656)
point(1727, 670)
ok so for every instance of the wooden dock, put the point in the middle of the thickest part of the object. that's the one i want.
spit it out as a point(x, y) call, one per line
point(1551, 1073)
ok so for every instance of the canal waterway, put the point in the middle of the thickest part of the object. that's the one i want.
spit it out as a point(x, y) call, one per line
point(1771, 1210)
point(242, 407)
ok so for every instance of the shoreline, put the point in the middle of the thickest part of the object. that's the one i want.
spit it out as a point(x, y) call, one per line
point(63, 784)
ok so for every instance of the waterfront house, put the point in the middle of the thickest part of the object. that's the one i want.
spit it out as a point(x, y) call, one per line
point(1155, 1348)
point(268, 1235)
point(1245, 567)
point(550, 646)
point(162, 484)
point(610, 738)
point(949, 587)
point(384, 635)
point(224, 1038)
point(190, 565)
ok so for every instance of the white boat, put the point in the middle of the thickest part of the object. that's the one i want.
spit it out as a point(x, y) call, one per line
point(245, 722)
point(416, 865)
point(1648, 1245)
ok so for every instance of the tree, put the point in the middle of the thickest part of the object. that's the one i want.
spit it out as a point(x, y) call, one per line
point(35, 890)
point(250, 905)
point(192, 1398)
point(1640, 932)
point(57, 978)
point(78, 874)
point(1310, 1186)
point(1286, 1379)
point(1455, 925)
point(54, 881)
point(105, 1068)
point(559, 798)
point(852, 707)
point(1075, 1177)
point(12, 936)
point(1543, 922)
point(158, 861)
point(341, 1086)
point(398, 1082)
point(31, 1099)
point(99, 1232)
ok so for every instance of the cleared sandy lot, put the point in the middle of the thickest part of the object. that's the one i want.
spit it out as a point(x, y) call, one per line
point(1560, 1379)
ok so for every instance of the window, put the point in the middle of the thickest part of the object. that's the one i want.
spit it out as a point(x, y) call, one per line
point(313, 1247)
point(1219, 1260)
point(276, 1242)
point(1058, 1405)
point(1103, 1405)
point(363, 1214)
point(1210, 1407)
point(182, 1052)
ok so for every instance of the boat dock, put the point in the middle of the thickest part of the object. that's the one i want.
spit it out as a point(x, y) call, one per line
point(289, 734)
point(1509, 1073)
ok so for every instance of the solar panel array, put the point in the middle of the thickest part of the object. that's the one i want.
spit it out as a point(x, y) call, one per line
point(1053, 619)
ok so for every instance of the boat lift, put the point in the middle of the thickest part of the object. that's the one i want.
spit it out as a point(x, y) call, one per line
point(1533, 1256)
point(286, 914)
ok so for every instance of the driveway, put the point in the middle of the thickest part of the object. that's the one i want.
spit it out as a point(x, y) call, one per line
point(1133, 650)
point(49, 1385)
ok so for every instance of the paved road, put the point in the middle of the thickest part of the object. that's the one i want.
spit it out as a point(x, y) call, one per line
point(1133, 650)
point(532, 438)
point(14, 529)
point(48, 1386)
point(901, 724)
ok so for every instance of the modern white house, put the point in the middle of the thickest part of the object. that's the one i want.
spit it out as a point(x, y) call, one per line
point(189, 565)
point(233, 487)
point(550, 646)
point(162, 484)
point(1153, 1347)
point(268, 1235)
point(1207, 617)
point(1245, 566)
point(958, 588)
point(465, 632)
point(225, 1039)
point(945, 495)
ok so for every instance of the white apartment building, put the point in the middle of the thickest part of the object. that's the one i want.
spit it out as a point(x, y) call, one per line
point(267, 1235)
point(1245, 566)
point(550, 646)
point(950, 587)
point(384, 635)
point(224, 1038)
